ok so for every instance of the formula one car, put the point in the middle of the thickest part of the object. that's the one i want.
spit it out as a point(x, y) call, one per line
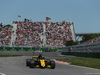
point(40, 61)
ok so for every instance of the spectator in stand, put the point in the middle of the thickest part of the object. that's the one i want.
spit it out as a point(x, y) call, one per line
point(95, 40)
point(29, 33)
point(5, 36)
point(58, 33)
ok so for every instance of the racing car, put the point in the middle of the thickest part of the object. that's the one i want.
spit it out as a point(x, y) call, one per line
point(40, 61)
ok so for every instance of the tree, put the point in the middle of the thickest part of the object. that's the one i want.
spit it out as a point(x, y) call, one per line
point(8, 25)
point(89, 37)
point(1, 25)
point(70, 43)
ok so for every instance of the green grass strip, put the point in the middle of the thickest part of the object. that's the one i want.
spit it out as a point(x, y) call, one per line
point(9, 55)
point(87, 62)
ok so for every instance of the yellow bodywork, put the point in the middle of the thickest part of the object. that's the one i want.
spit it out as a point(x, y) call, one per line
point(42, 63)
point(48, 65)
point(36, 56)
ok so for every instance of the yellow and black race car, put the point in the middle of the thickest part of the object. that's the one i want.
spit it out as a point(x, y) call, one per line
point(40, 61)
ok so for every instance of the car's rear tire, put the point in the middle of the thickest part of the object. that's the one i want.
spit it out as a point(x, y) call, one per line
point(52, 65)
point(32, 64)
point(28, 62)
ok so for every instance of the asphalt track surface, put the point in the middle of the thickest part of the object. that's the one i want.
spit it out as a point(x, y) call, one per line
point(17, 66)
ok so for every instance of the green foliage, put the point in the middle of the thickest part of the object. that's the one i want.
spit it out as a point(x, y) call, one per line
point(70, 43)
point(8, 25)
point(89, 37)
point(1, 25)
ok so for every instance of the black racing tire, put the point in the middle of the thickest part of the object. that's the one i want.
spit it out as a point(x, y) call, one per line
point(52, 65)
point(28, 62)
point(32, 64)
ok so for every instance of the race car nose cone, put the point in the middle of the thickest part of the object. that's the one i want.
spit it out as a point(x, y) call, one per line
point(42, 63)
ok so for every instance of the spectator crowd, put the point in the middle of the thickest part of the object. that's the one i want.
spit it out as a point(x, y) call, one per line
point(58, 33)
point(95, 40)
point(5, 36)
point(29, 33)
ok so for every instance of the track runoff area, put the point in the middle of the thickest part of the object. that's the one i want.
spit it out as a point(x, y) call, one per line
point(17, 66)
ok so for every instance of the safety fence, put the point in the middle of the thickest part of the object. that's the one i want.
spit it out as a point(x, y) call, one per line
point(88, 50)
point(83, 48)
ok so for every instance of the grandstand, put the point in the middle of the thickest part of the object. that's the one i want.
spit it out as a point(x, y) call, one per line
point(5, 36)
point(45, 34)
point(41, 34)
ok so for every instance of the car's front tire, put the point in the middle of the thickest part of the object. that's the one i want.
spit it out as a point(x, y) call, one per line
point(32, 64)
point(28, 62)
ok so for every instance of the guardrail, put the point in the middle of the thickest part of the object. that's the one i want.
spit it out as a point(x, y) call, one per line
point(83, 48)
point(88, 50)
